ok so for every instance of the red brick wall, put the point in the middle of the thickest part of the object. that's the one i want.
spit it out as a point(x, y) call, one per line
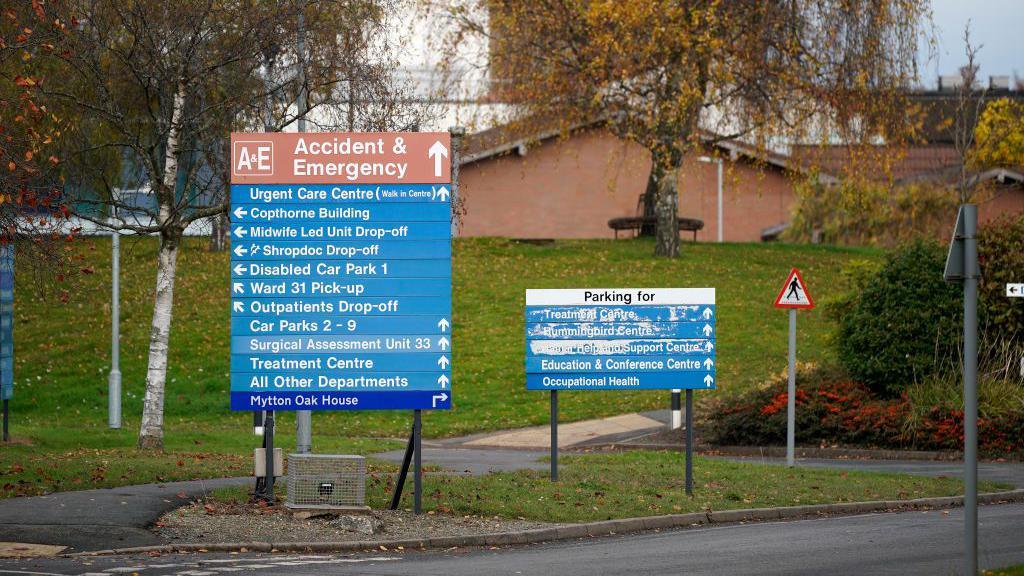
point(571, 187)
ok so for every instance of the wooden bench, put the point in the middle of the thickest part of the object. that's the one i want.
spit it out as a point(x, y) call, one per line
point(635, 223)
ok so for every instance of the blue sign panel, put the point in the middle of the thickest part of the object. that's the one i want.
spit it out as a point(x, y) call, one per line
point(341, 293)
point(6, 322)
point(620, 339)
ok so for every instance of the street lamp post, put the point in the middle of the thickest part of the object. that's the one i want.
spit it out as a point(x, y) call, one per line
point(718, 161)
point(114, 380)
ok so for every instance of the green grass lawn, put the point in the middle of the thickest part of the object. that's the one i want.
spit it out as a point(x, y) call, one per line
point(641, 483)
point(62, 349)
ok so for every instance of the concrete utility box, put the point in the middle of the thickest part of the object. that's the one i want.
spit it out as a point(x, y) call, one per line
point(260, 462)
point(326, 481)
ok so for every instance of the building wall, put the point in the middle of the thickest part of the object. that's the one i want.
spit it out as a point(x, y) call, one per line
point(570, 188)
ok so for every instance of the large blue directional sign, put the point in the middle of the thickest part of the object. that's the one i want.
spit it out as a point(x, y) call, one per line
point(341, 291)
point(620, 339)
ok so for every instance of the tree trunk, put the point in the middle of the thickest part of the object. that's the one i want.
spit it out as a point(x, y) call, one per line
point(666, 210)
point(151, 432)
point(219, 232)
point(650, 198)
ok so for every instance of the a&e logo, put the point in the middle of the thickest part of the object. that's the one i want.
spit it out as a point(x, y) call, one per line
point(252, 158)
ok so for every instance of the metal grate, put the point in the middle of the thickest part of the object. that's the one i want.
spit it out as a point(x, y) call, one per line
point(326, 481)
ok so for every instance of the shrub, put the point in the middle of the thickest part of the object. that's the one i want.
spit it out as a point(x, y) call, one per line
point(1001, 252)
point(898, 320)
point(833, 409)
point(864, 212)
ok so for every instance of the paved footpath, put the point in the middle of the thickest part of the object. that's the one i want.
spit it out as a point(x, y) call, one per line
point(99, 519)
point(905, 543)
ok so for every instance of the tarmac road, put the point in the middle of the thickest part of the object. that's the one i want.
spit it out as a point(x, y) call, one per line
point(894, 543)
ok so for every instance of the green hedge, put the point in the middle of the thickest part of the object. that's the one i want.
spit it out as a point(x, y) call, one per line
point(899, 322)
point(1001, 252)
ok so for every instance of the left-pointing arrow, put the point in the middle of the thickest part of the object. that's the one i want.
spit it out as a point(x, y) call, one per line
point(240, 212)
point(240, 250)
point(237, 287)
point(239, 269)
point(240, 232)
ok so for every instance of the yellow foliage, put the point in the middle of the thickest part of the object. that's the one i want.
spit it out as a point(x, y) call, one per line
point(999, 135)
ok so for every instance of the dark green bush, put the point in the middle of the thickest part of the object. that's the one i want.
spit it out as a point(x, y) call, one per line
point(899, 322)
point(1001, 252)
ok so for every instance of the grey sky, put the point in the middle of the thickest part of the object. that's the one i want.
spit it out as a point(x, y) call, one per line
point(996, 25)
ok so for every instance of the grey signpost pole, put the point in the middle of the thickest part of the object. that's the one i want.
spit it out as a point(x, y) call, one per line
point(791, 396)
point(114, 380)
point(962, 266)
point(971, 275)
point(303, 418)
point(689, 441)
point(554, 435)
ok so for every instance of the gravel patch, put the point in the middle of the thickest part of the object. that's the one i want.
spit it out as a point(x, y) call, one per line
point(213, 523)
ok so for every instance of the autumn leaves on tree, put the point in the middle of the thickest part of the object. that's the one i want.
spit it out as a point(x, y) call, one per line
point(675, 75)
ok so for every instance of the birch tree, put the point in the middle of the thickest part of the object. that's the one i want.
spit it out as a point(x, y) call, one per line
point(159, 85)
point(674, 74)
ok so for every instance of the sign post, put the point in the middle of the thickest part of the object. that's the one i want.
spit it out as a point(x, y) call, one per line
point(341, 274)
point(620, 339)
point(793, 296)
point(6, 334)
point(962, 266)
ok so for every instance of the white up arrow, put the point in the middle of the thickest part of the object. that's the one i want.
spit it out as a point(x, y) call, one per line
point(443, 362)
point(708, 380)
point(708, 364)
point(443, 343)
point(709, 346)
point(442, 380)
point(707, 313)
point(442, 397)
point(437, 151)
point(443, 324)
point(708, 330)
point(441, 193)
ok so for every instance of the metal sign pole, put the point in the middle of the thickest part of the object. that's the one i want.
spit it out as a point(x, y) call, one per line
point(7, 415)
point(971, 387)
point(417, 431)
point(268, 437)
point(689, 441)
point(677, 418)
point(303, 418)
point(791, 400)
point(554, 435)
point(114, 380)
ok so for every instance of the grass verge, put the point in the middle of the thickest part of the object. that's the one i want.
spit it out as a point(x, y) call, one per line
point(643, 483)
point(62, 352)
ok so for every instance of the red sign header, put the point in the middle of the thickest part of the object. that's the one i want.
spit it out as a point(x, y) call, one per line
point(341, 157)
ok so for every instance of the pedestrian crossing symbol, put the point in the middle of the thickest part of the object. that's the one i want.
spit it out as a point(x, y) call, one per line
point(794, 293)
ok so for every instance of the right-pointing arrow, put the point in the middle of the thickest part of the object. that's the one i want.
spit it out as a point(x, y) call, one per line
point(442, 397)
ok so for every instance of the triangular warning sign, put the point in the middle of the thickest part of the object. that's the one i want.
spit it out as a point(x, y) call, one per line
point(794, 292)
